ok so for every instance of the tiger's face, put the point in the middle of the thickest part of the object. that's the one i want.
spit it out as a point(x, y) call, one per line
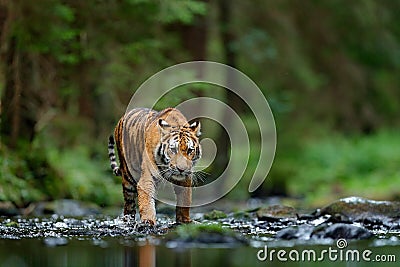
point(179, 149)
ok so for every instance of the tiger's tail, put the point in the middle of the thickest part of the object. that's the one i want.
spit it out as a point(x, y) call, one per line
point(111, 155)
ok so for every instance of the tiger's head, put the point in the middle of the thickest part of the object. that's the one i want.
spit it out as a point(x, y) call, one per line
point(179, 149)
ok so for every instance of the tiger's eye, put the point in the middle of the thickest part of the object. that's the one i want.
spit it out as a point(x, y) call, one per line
point(173, 149)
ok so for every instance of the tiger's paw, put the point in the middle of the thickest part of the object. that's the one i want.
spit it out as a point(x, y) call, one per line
point(148, 222)
point(128, 218)
point(146, 227)
point(185, 221)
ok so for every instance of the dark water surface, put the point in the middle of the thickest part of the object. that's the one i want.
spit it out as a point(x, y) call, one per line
point(119, 252)
point(115, 241)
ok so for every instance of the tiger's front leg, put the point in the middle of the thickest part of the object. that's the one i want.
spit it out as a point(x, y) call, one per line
point(146, 192)
point(183, 201)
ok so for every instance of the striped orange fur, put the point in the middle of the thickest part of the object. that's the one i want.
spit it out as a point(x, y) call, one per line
point(153, 146)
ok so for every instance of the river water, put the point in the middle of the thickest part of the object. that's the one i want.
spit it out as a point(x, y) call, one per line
point(120, 252)
point(108, 241)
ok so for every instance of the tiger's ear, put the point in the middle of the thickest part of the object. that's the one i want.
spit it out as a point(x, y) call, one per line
point(195, 127)
point(163, 124)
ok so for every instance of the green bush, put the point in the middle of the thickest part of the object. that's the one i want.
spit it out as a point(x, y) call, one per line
point(16, 180)
point(338, 165)
point(85, 178)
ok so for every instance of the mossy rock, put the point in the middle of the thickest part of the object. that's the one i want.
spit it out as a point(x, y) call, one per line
point(192, 234)
point(324, 231)
point(360, 209)
point(276, 212)
point(215, 215)
point(242, 214)
point(341, 230)
point(8, 209)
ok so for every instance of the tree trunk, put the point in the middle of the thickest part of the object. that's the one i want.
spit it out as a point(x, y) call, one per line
point(233, 101)
point(17, 112)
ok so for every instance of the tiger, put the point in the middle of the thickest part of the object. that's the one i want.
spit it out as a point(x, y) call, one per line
point(152, 146)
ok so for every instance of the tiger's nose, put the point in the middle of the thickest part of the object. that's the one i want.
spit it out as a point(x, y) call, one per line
point(180, 169)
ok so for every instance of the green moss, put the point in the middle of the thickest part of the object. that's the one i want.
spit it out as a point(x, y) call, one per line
point(187, 235)
point(193, 231)
point(215, 215)
point(12, 224)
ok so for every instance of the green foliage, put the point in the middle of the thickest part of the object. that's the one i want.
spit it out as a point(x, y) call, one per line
point(337, 166)
point(85, 179)
point(77, 56)
point(17, 183)
point(49, 173)
point(34, 33)
point(181, 11)
point(344, 75)
point(82, 60)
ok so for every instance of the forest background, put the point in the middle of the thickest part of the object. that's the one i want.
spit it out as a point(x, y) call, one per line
point(330, 70)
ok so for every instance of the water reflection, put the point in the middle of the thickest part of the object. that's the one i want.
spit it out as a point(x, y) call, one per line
point(124, 252)
point(146, 256)
point(142, 256)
